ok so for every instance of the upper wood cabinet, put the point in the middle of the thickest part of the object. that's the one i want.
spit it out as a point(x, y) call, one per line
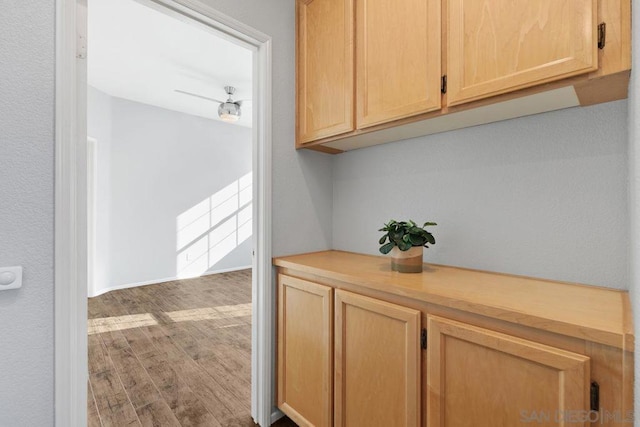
point(305, 359)
point(377, 363)
point(482, 378)
point(497, 46)
point(324, 46)
point(398, 59)
point(376, 71)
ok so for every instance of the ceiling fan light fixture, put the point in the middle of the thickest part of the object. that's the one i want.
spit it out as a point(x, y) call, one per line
point(229, 112)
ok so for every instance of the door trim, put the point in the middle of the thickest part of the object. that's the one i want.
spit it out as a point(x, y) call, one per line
point(70, 288)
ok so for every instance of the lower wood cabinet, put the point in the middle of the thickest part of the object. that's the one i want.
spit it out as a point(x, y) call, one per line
point(361, 345)
point(349, 360)
point(481, 378)
point(377, 358)
point(377, 362)
point(305, 359)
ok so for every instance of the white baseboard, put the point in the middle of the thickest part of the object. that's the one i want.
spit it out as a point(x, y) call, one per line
point(164, 280)
point(226, 270)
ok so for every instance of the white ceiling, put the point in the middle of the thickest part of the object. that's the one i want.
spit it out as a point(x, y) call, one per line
point(140, 53)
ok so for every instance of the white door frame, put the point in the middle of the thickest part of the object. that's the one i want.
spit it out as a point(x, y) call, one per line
point(70, 306)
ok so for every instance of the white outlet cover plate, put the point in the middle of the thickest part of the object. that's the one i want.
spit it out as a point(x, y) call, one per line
point(7, 272)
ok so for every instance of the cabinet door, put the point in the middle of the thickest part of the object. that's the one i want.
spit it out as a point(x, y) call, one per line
point(377, 369)
point(498, 46)
point(305, 325)
point(324, 68)
point(398, 59)
point(480, 378)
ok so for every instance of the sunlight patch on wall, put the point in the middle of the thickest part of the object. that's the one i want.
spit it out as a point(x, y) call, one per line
point(211, 229)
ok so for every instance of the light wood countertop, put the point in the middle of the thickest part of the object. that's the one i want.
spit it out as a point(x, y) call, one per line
point(588, 312)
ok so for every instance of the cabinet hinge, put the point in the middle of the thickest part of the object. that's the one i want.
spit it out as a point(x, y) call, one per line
point(602, 35)
point(443, 84)
point(423, 339)
point(595, 396)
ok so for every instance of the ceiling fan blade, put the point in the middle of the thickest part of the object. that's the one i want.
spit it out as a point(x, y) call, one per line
point(199, 96)
point(240, 101)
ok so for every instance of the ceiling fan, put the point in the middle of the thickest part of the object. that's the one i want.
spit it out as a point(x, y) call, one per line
point(229, 110)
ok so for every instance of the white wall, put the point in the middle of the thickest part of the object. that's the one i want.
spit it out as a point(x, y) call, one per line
point(26, 211)
point(179, 193)
point(542, 196)
point(99, 124)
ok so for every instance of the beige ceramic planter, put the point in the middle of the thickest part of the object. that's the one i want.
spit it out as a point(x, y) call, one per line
point(407, 261)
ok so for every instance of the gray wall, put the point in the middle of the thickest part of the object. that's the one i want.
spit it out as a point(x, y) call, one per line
point(542, 196)
point(634, 199)
point(26, 213)
point(159, 164)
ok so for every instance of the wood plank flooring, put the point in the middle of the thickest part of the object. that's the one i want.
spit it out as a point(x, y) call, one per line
point(172, 354)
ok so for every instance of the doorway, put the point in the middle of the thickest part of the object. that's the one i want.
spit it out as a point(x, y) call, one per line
point(170, 199)
point(71, 207)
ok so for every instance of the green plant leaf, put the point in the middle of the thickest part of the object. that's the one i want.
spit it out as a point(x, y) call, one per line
point(385, 249)
point(404, 246)
point(406, 234)
point(396, 236)
point(417, 240)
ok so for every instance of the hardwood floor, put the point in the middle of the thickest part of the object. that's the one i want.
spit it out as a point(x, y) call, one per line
point(172, 354)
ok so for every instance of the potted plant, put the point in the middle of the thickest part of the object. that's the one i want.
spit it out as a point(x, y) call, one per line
point(405, 242)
